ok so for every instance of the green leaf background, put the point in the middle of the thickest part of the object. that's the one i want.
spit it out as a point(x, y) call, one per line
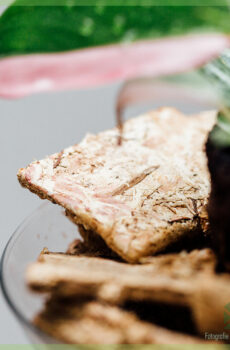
point(218, 73)
point(37, 29)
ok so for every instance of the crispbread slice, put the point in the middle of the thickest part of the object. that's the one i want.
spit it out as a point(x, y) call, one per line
point(95, 323)
point(141, 196)
point(211, 305)
point(168, 278)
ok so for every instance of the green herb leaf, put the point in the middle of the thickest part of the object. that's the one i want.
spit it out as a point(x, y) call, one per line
point(220, 135)
point(37, 29)
point(218, 71)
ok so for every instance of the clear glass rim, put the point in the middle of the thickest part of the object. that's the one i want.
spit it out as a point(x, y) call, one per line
point(12, 305)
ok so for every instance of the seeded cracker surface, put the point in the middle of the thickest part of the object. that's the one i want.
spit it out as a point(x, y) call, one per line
point(141, 196)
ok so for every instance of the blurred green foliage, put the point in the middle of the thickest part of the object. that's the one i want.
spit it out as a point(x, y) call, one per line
point(218, 73)
point(36, 29)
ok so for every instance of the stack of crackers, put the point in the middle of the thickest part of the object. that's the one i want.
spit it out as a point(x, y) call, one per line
point(143, 272)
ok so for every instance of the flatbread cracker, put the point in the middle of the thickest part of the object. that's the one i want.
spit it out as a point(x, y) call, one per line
point(140, 197)
point(96, 323)
point(211, 305)
point(168, 278)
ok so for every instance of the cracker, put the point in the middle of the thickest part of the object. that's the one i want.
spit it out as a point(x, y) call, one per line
point(211, 305)
point(168, 278)
point(140, 197)
point(95, 323)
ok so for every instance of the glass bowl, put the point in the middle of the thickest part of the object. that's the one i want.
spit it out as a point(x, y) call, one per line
point(49, 227)
point(46, 227)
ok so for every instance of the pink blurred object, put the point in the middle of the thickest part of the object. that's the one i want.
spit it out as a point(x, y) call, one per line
point(27, 74)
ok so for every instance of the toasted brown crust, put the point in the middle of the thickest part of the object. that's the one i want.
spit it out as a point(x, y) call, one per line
point(92, 245)
point(80, 248)
point(139, 197)
point(168, 278)
point(211, 305)
point(96, 323)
